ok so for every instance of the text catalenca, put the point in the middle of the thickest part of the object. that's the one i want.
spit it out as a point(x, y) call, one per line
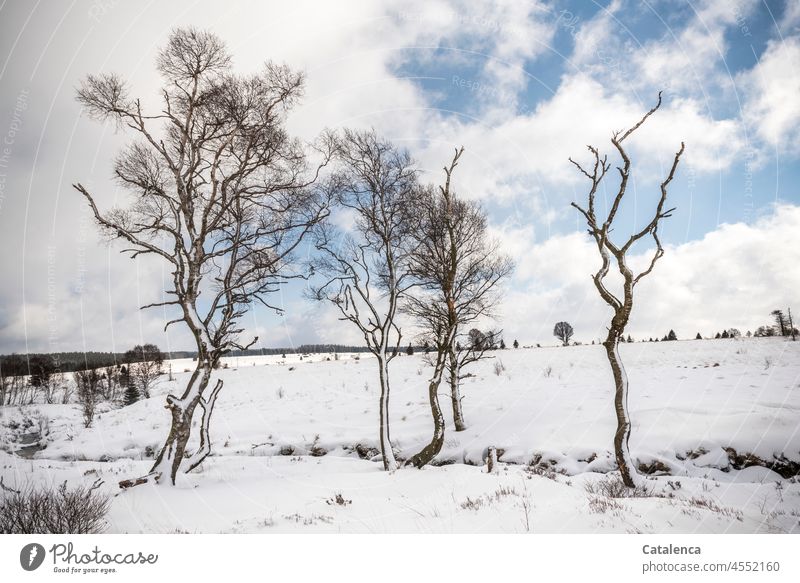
point(669, 550)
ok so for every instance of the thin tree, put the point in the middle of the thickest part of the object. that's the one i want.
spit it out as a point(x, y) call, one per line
point(365, 269)
point(457, 270)
point(476, 348)
point(792, 329)
point(222, 194)
point(610, 251)
point(563, 331)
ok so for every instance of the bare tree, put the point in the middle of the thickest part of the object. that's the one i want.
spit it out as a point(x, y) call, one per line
point(477, 345)
point(457, 271)
point(87, 384)
point(145, 365)
point(12, 382)
point(563, 331)
point(609, 251)
point(221, 193)
point(365, 269)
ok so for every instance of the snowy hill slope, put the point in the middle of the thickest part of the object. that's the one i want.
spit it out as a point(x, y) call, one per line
point(550, 406)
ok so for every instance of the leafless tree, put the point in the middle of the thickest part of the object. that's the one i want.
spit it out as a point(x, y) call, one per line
point(610, 251)
point(58, 383)
point(477, 346)
point(145, 364)
point(221, 193)
point(87, 384)
point(12, 388)
point(457, 271)
point(364, 269)
point(111, 384)
point(563, 331)
point(66, 392)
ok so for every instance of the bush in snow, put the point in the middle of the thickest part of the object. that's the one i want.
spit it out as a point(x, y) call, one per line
point(612, 486)
point(48, 510)
point(87, 383)
point(499, 367)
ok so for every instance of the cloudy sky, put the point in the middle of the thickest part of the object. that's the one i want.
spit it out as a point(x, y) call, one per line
point(521, 85)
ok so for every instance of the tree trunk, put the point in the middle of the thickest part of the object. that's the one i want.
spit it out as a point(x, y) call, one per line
point(207, 404)
point(622, 435)
point(433, 448)
point(172, 455)
point(455, 394)
point(389, 461)
point(491, 459)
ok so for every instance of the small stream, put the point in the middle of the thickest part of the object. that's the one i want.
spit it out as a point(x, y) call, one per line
point(30, 443)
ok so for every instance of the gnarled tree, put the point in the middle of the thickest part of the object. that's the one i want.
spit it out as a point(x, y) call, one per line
point(365, 267)
point(457, 271)
point(221, 193)
point(614, 252)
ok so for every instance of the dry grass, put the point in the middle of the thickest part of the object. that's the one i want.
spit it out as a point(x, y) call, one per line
point(612, 486)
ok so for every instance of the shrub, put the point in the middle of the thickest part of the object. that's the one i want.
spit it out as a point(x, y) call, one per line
point(49, 510)
point(499, 367)
point(612, 486)
point(87, 382)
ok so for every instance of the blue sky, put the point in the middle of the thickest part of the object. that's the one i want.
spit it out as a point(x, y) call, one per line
point(711, 198)
point(521, 85)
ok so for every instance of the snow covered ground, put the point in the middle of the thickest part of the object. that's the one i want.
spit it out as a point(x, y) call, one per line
point(285, 433)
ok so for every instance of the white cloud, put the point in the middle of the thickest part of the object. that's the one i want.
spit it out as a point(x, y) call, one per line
point(790, 23)
point(733, 277)
point(772, 88)
point(524, 157)
point(692, 59)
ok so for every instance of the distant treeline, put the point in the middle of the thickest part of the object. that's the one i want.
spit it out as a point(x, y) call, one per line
point(26, 364)
point(302, 349)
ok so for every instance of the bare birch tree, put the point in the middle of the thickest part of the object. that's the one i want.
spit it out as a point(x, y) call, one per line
point(221, 193)
point(610, 251)
point(365, 269)
point(474, 349)
point(457, 271)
